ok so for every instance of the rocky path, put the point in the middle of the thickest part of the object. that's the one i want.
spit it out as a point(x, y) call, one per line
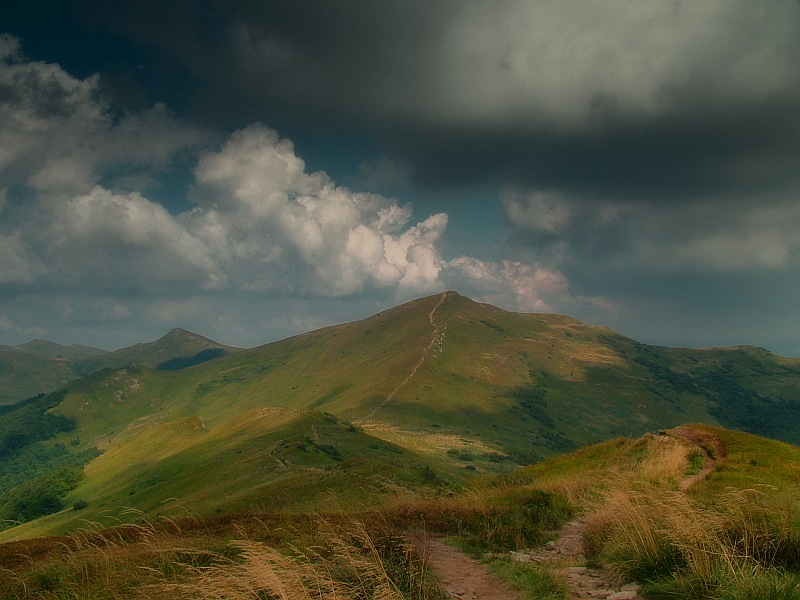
point(565, 557)
point(463, 577)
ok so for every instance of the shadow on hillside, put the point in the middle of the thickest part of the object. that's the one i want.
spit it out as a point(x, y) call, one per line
point(175, 364)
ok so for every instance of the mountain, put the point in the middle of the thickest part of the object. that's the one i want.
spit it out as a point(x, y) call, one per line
point(23, 374)
point(428, 393)
point(41, 366)
point(176, 350)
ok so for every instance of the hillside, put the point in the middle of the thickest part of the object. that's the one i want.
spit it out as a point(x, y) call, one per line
point(23, 375)
point(624, 505)
point(61, 351)
point(176, 350)
point(41, 366)
point(458, 388)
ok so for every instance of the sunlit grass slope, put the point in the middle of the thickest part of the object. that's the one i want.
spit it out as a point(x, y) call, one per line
point(445, 372)
point(268, 459)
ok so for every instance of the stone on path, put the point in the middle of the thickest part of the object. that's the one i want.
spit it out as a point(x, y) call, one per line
point(565, 555)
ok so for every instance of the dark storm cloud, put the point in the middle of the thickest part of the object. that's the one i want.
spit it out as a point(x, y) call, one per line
point(313, 60)
point(669, 98)
point(674, 157)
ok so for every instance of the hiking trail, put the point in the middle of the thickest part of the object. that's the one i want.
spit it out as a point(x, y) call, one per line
point(566, 553)
point(465, 578)
point(461, 577)
point(435, 337)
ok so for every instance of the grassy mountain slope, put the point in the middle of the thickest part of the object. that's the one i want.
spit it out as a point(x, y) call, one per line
point(23, 375)
point(176, 350)
point(463, 387)
point(55, 350)
point(266, 459)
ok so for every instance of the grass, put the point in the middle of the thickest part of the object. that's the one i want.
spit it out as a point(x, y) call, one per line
point(489, 386)
point(497, 387)
point(736, 542)
point(487, 520)
point(715, 542)
point(342, 555)
point(535, 581)
point(348, 563)
point(269, 459)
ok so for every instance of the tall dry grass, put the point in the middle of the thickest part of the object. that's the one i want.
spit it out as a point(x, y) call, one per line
point(586, 475)
point(488, 519)
point(94, 562)
point(350, 564)
point(306, 558)
point(686, 548)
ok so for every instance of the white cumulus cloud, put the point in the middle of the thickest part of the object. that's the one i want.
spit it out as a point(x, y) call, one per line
point(274, 226)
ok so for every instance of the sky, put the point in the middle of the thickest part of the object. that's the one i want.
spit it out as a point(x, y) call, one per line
point(252, 170)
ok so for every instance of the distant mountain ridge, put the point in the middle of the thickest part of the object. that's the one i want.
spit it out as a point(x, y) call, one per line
point(42, 366)
point(54, 350)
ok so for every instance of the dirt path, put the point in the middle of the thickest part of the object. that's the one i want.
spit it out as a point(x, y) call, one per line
point(565, 557)
point(709, 444)
point(461, 577)
point(566, 553)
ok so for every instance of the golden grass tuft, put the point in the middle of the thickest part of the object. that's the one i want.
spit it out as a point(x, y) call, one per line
point(349, 564)
point(651, 534)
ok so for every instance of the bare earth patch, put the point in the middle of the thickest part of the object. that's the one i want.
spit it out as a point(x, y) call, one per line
point(461, 576)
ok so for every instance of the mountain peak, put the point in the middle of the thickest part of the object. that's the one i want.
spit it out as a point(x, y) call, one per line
point(179, 332)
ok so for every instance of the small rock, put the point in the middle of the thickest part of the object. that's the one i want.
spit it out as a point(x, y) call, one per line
point(601, 593)
point(626, 595)
point(631, 587)
point(520, 557)
point(576, 570)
